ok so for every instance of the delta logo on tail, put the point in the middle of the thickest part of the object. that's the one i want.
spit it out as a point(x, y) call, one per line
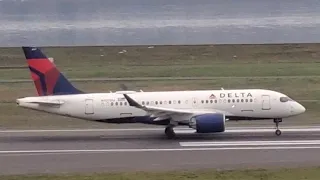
point(46, 77)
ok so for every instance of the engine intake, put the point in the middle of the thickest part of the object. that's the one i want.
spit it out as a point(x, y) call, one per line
point(208, 123)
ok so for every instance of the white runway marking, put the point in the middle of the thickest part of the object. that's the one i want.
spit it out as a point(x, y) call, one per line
point(79, 151)
point(250, 143)
point(181, 130)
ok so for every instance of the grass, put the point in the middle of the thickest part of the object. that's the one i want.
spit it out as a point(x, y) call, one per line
point(260, 174)
point(204, 60)
point(247, 61)
point(203, 70)
point(170, 55)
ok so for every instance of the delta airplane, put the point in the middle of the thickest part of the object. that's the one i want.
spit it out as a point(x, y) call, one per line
point(206, 111)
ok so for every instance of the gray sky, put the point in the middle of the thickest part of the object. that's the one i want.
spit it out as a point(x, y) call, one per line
point(127, 22)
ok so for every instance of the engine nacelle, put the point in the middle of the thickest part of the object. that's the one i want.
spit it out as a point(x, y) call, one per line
point(208, 123)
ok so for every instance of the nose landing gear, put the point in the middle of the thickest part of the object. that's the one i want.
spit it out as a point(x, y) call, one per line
point(277, 121)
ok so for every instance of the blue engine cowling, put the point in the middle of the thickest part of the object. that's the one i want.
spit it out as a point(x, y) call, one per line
point(208, 123)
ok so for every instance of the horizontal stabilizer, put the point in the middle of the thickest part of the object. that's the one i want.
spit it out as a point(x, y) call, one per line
point(48, 102)
point(41, 102)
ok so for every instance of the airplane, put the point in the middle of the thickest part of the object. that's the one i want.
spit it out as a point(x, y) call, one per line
point(206, 111)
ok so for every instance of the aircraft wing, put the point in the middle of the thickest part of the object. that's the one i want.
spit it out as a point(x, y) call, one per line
point(164, 113)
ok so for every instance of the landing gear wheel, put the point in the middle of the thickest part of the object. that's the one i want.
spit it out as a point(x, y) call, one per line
point(170, 132)
point(278, 132)
point(277, 121)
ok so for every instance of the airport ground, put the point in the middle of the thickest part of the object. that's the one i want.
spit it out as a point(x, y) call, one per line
point(283, 174)
point(292, 69)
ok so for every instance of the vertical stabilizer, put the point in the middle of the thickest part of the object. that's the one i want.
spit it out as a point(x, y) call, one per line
point(46, 77)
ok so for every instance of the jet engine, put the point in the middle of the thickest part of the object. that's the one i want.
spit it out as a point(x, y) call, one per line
point(208, 123)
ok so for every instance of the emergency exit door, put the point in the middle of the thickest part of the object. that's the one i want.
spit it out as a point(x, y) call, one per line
point(266, 102)
point(89, 106)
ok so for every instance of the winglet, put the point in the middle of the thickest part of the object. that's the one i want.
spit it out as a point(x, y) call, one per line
point(132, 102)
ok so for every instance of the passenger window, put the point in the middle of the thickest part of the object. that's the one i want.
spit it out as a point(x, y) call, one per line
point(241, 100)
point(111, 103)
point(251, 100)
point(211, 101)
point(207, 101)
point(233, 100)
point(125, 103)
point(246, 100)
point(229, 100)
point(116, 103)
point(142, 102)
point(179, 102)
point(202, 101)
point(160, 102)
point(147, 102)
point(237, 100)
point(169, 102)
point(120, 103)
point(215, 101)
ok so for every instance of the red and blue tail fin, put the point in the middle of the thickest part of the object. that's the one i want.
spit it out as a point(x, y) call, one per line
point(46, 77)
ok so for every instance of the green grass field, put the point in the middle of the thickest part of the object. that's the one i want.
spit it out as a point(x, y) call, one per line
point(293, 69)
point(282, 174)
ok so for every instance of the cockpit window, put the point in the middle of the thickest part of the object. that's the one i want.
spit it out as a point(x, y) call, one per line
point(285, 99)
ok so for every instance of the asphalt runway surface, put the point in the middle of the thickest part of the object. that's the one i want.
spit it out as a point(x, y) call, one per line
point(105, 150)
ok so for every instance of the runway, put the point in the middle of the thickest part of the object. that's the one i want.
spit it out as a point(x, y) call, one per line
point(101, 150)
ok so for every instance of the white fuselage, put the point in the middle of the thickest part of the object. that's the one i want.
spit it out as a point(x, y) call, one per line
point(242, 104)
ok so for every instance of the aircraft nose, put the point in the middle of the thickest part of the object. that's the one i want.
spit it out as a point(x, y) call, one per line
point(302, 109)
point(299, 109)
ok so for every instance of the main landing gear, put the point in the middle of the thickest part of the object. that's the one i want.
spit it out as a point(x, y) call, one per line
point(170, 132)
point(277, 121)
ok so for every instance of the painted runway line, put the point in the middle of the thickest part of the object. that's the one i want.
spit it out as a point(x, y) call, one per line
point(250, 143)
point(181, 130)
point(187, 146)
point(80, 151)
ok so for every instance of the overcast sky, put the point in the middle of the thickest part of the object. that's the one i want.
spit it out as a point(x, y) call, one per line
point(123, 22)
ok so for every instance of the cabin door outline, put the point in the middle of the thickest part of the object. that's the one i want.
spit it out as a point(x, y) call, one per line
point(89, 106)
point(266, 105)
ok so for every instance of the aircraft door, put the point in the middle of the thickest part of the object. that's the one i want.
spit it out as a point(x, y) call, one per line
point(89, 106)
point(266, 102)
